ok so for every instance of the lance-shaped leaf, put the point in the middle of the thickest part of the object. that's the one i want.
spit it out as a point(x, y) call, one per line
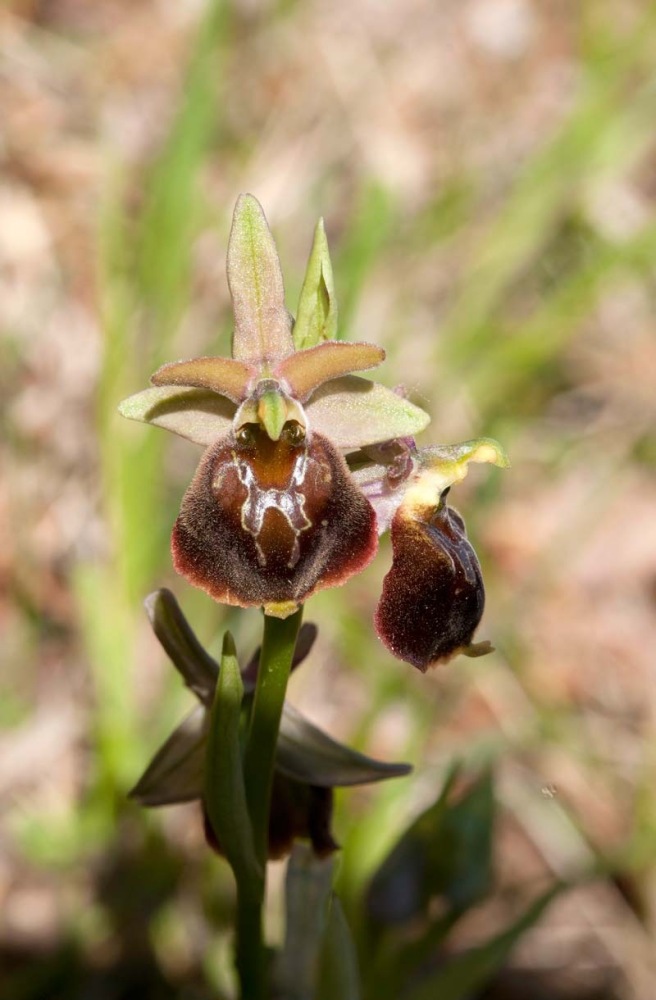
point(262, 324)
point(445, 854)
point(199, 415)
point(307, 891)
point(305, 371)
point(223, 375)
point(356, 412)
point(466, 974)
point(224, 791)
point(316, 318)
point(338, 962)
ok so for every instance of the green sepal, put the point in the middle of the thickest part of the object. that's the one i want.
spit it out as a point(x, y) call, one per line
point(262, 324)
point(199, 415)
point(225, 794)
point(354, 412)
point(316, 319)
point(176, 772)
point(307, 754)
point(199, 670)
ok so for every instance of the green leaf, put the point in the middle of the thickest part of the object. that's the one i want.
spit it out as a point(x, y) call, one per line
point(354, 412)
point(446, 853)
point(196, 414)
point(316, 319)
point(306, 370)
point(225, 795)
point(469, 972)
point(262, 324)
point(305, 753)
point(199, 670)
point(307, 890)
point(338, 965)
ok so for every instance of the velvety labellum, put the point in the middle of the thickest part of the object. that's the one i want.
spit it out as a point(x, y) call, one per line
point(266, 522)
point(433, 595)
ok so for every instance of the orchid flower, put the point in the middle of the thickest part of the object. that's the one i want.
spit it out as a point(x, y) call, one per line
point(306, 463)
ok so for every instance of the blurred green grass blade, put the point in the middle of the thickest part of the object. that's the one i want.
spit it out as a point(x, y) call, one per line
point(371, 225)
point(108, 630)
point(515, 357)
point(337, 974)
point(469, 972)
point(170, 216)
point(603, 137)
point(446, 853)
point(144, 281)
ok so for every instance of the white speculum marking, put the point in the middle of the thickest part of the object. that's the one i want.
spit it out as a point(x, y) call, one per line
point(290, 501)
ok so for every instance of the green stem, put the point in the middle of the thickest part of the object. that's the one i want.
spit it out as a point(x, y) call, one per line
point(250, 958)
point(278, 647)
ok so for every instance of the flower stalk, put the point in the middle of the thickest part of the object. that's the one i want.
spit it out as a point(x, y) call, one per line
point(278, 646)
point(238, 793)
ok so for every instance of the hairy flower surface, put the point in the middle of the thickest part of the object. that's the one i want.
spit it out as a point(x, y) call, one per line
point(306, 464)
point(433, 596)
point(272, 514)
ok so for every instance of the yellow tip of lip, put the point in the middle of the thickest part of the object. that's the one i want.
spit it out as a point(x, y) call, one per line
point(281, 610)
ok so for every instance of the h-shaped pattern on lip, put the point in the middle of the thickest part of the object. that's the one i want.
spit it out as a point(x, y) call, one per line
point(289, 501)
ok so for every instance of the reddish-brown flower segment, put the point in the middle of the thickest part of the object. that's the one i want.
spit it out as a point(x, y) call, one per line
point(433, 595)
point(306, 464)
point(266, 522)
point(272, 514)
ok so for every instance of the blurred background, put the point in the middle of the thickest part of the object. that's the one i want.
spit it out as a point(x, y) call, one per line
point(487, 173)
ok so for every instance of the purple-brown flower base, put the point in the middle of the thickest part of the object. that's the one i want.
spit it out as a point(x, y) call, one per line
point(268, 523)
point(298, 811)
point(433, 596)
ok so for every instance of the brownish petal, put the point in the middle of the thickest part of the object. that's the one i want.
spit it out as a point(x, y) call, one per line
point(269, 522)
point(304, 371)
point(433, 596)
point(223, 375)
